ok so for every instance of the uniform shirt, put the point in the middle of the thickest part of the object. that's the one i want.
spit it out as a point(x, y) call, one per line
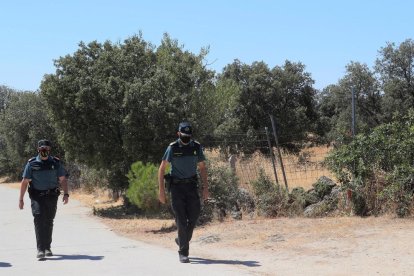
point(184, 158)
point(44, 174)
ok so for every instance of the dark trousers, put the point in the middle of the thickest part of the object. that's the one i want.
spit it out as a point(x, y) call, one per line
point(185, 203)
point(44, 212)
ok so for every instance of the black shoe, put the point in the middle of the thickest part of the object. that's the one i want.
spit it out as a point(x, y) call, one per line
point(48, 253)
point(40, 254)
point(183, 259)
point(176, 241)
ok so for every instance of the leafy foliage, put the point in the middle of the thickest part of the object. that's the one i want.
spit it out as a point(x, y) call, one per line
point(113, 104)
point(90, 178)
point(335, 104)
point(143, 186)
point(395, 67)
point(378, 166)
point(23, 123)
point(257, 92)
point(225, 195)
point(270, 198)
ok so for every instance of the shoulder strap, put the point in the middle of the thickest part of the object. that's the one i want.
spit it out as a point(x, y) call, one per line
point(56, 159)
point(32, 160)
point(174, 143)
point(196, 143)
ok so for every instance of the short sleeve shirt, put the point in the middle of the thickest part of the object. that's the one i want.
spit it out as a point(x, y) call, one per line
point(44, 174)
point(184, 158)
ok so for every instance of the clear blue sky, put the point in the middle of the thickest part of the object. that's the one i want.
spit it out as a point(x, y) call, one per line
point(325, 35)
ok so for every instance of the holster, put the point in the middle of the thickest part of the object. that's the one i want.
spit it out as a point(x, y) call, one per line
point(168, 181)
point(30, 191)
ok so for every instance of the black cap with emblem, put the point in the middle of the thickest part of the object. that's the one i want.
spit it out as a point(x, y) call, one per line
point(185, 128)
point(44, 143)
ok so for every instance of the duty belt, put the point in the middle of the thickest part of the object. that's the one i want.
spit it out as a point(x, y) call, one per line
point(50, 192)
point(190, 180)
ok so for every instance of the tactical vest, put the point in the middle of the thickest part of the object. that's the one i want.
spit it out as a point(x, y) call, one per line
point(45, 172)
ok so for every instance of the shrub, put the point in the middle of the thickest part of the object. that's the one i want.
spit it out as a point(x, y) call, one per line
point(378, 167)
point(297, 198)
point(270, 198)
point(90, 179)
point(143, 186)
point(224, 193)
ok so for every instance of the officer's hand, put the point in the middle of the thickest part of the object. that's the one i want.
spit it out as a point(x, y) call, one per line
point(161, 198)
point(65, 199)
point(21, 204)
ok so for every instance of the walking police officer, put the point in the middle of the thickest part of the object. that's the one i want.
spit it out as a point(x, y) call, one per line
point(184, 155)
point(42, 174)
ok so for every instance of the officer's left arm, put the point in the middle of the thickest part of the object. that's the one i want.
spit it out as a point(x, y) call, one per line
point(23, 188)
point(203, 173)
point(64, 184)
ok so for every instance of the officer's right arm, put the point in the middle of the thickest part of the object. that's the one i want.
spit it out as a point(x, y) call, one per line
point(23, 188)
point(161, 172)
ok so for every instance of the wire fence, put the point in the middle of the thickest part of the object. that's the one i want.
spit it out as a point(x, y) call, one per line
point(301, 169)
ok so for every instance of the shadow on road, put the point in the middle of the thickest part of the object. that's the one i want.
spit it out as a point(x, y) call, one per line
point(5, 264)
point(57, 257)
point(227, 262)
point(164, 229)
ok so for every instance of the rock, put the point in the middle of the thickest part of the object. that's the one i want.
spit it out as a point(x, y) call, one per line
point(323, 186)
point(236, 215)
point(209, 239)
point(311, 197)
point(322, 208)
point(276, 238)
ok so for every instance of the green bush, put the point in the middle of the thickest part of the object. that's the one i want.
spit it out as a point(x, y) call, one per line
point(378, 167)
point(224, 194)
point(143, 186)
point(297, 197)
point(270, 198)
point(263, 184)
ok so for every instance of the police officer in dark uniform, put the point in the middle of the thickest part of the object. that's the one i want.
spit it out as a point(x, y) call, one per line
point(42, 174)
point(184, 155)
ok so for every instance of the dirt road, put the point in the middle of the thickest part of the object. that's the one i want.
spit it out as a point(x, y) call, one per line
point(85, 246)
point(284, 246)
point(295, 246)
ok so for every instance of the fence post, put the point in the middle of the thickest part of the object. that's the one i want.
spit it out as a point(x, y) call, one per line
point(272, 155)
point(278, 152)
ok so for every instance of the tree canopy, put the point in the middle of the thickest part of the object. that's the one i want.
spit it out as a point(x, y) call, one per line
point(114, 104)
point(108, 104)
point(285, 92)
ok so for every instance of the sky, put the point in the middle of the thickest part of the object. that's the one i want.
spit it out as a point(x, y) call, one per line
point(324, 35)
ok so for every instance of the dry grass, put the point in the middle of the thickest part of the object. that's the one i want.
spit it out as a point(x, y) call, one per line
point(301, 170)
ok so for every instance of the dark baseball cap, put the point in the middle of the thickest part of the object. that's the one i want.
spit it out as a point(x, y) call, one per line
point(185, 128)
point(44, 143)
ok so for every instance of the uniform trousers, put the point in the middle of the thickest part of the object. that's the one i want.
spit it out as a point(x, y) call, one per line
point(185, 202)
point(44, 212)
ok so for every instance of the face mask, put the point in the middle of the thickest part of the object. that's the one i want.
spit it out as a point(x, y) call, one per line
point(44, 152)
point(185, 139)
